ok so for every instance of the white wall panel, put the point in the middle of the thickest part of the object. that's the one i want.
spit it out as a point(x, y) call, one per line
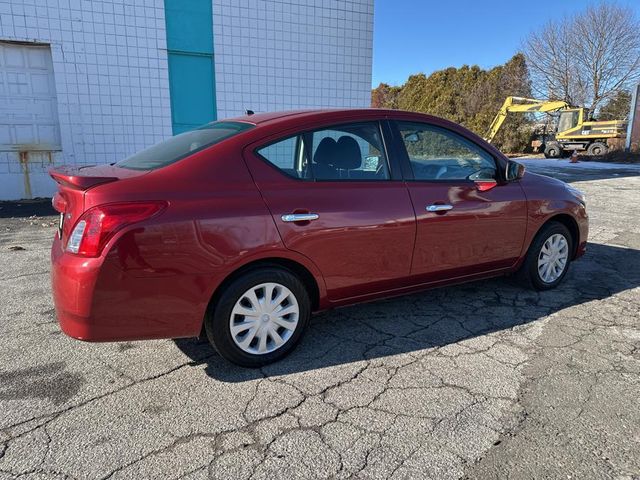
point(109, 64)
point(110, 84)
point(289, 54)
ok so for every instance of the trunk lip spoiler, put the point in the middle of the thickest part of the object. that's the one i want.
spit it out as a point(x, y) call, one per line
point(69, 177)
point(59, 203)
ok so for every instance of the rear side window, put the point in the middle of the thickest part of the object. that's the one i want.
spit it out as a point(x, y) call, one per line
point(288, 155)
point(340, 153)
point(180, 146)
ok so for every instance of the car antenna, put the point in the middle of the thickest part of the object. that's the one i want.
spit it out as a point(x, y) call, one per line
point(249, 112)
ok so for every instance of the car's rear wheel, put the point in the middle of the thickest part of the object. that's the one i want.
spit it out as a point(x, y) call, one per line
point(548, 258)
point(259, 317)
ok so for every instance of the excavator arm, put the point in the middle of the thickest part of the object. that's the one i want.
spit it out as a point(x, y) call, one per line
point(522, 105)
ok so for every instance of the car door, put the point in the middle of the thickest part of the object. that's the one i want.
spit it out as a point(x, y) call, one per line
point(333, 199)
point(469, 220)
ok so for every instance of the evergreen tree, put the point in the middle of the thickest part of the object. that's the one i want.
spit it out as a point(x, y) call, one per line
point(617, 108)
point(467, 95)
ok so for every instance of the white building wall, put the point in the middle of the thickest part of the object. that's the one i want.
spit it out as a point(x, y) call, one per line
point(111, 78)
point(287, 54)
point(110, 71)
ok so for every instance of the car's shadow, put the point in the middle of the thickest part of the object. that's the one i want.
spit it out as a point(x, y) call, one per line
point(434, 318)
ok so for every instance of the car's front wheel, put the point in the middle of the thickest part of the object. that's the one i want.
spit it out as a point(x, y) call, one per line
point(259, 317)
point(548, 258)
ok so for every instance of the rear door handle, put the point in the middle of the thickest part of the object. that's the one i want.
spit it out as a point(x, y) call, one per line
point(300, 217)
point(439, 208)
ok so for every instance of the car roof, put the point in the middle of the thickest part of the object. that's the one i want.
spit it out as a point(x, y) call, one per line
point(261, 118)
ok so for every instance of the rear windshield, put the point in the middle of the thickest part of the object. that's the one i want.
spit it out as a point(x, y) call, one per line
point(182, 145)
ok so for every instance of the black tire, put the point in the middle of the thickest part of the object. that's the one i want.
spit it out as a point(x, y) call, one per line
point(552, 150)
point(528, 274)
point(217, 321)
point(597, 148)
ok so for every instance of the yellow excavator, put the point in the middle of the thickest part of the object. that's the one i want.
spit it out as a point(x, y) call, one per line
point(573, 131)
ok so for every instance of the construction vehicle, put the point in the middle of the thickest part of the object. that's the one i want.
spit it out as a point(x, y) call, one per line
point(574, 130)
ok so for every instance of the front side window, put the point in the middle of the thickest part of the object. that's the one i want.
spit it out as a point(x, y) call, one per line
point(341, 153)
point(439, 154)
point(182, 145)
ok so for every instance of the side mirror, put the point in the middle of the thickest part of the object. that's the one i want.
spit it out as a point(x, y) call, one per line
point(515, 171)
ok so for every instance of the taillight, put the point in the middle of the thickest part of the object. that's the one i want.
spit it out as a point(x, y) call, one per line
point(98, 224)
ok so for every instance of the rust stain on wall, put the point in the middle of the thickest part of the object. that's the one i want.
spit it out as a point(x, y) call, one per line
point(24, 161)
point(28, 155)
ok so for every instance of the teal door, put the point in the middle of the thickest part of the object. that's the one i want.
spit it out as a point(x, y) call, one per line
point(191, 68)
point(191, 89)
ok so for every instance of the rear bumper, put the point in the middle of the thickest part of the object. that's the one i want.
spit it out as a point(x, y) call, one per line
point(103, 300)
point(72, 284)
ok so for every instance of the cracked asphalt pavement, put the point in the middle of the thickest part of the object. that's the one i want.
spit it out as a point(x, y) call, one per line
point(483, 380)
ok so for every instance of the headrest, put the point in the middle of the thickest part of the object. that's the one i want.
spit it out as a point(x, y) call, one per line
point(326, 151)
point(348, 155)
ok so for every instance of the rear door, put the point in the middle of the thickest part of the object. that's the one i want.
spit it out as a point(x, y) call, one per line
point(469, 220)
point(333, 199)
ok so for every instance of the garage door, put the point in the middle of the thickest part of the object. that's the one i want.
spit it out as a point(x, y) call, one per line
point(28, 108)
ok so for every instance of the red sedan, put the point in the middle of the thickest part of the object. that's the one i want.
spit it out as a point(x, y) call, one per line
point(242, 228)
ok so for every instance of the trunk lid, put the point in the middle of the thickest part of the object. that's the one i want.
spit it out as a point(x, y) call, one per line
point(73, 184)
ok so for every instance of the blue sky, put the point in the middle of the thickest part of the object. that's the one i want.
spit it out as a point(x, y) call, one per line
point(412, 36)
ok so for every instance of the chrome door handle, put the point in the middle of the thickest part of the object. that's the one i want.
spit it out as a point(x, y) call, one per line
point(439, 208)
point(300, 217)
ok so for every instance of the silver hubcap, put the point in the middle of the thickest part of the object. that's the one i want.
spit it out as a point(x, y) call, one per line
point(553, 258)
point(264, 318)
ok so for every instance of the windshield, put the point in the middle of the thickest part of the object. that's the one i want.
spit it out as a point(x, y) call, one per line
point(177, 147)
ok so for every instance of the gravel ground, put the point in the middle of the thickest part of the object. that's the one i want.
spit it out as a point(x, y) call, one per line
point(484, 380)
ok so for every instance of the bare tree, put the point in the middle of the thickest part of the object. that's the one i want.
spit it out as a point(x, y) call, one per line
point(549, 58)
point(588, 58)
